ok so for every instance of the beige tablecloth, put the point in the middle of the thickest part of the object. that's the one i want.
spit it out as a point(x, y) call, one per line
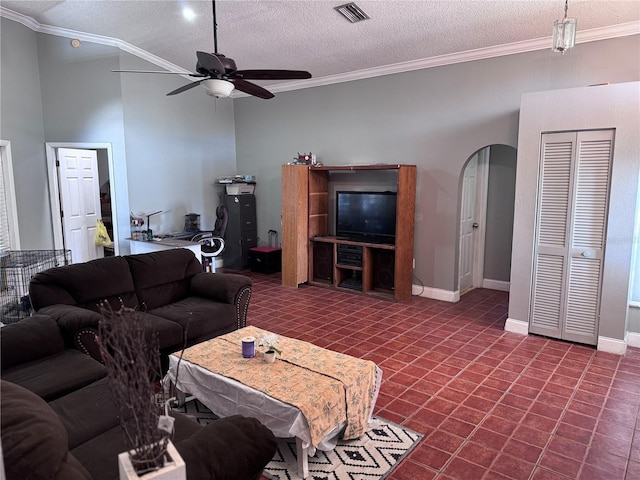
point(329, 388)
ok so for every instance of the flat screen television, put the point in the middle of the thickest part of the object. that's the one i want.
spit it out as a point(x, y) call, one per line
point(366, 216)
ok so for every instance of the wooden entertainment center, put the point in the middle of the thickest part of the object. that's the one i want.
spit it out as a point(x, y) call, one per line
point(310, 255)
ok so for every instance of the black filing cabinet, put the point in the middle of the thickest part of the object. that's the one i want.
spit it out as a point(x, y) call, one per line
point(241, 234)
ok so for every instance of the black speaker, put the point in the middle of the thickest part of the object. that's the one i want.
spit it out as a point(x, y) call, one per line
point(323, 261)
point(383, 269)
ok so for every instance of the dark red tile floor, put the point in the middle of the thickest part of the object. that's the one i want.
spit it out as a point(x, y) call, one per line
point(491, 404)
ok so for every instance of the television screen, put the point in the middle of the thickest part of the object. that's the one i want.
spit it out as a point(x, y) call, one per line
point(366, 216)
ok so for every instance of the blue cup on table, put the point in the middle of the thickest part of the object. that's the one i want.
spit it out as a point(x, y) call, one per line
point(249, 347)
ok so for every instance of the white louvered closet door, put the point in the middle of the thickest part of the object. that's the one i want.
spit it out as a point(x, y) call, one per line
point(570, 235)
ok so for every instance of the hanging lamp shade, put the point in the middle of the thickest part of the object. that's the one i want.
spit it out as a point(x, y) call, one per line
point(564, 32)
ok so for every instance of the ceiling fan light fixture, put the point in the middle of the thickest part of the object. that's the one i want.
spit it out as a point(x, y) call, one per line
point(218, 88)
point(564, 32)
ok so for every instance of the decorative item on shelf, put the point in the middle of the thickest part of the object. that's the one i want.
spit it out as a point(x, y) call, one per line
point(132, 359)
point(304, 159)
point(564, 32)
point(269, 345)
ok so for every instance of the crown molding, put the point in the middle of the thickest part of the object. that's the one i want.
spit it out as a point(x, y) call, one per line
point(89, 37)
point(582, 36)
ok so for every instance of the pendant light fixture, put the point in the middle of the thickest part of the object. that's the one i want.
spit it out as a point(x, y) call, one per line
point(564, 32)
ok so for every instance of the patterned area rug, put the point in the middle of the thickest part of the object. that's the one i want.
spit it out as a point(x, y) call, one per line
point(373, 456)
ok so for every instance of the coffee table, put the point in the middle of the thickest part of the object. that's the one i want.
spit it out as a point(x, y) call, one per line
point(310, 393)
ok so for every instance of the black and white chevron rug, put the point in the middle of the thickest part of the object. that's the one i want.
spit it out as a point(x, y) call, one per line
point(373, 456)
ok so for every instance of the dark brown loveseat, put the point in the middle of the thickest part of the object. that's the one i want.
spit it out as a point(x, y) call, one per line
point(58, 421)
point(183, 305)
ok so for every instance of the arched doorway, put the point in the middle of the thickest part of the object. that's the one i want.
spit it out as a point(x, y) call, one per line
point(487, 194)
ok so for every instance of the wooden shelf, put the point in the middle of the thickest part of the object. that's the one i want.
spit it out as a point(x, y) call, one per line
point(349, 267)
point(387, 269)
point(380, 166)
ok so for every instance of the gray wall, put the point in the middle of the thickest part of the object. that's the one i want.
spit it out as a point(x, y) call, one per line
point(21, 124)
point(434, 118)
point(589, 108)
point(176, 146)
point(82, 104)
point(501, 192)
point(167, 151)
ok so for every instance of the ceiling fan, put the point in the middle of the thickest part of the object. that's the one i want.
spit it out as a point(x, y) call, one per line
point(220, 76)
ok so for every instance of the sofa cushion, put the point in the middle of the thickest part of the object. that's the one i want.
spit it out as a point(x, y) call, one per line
point(169, 333)
point(199, 316)
point(87, 412)
point(34, 441)
point(29, 339)
point(228, 449)
point(162, 277)
point(57, 374)
point(85, 284)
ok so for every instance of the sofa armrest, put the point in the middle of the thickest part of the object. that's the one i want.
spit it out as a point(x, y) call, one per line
point(30, 339)
point(78, 325)
point(227, 288)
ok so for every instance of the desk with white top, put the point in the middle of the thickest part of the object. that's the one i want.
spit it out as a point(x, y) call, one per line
point(141, 246)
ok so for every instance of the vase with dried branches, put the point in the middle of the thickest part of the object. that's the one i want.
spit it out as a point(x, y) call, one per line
point(130, 352)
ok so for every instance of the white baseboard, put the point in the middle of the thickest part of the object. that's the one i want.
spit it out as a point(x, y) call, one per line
point(436, 293)
point(516, 326)
point(496, 285)
point(612, 345)
point(633, 339)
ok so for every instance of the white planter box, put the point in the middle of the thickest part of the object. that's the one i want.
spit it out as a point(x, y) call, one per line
point(173, 470)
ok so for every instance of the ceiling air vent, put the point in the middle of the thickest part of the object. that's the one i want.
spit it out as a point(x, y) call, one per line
point(352, 12)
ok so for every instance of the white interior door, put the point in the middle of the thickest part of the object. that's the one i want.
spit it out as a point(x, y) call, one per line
point(571, 229)
point(80, 200)
point(468, 225)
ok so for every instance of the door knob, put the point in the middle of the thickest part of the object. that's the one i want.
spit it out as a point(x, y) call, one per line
point(475, 225)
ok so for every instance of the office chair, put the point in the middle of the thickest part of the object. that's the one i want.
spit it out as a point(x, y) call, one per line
point(213, 242)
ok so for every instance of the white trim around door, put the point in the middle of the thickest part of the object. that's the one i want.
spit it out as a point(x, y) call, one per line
point(54, 188)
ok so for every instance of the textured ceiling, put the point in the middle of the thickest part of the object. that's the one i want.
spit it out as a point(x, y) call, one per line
point(311, 35)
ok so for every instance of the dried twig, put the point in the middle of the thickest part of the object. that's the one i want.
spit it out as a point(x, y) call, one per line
point(131, 354)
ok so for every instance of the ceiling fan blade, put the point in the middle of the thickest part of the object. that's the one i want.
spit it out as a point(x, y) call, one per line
point(251, 88)
point(186, 87)
point(210, 62)
point(273, 74)
point(160, 71)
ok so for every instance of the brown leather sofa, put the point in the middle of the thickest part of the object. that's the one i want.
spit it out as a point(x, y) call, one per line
point(58, 420)
point(183, 305)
